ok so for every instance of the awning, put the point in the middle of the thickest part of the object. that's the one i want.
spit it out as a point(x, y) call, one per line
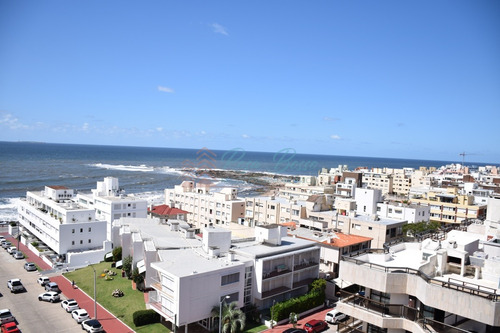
point(342, 283)
point(109, 255)
point(119, 264)
point(141, 266)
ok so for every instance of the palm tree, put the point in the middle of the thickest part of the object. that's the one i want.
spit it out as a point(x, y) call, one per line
point(233, 319)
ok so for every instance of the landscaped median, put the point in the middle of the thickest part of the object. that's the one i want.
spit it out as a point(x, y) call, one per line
point(121, 307)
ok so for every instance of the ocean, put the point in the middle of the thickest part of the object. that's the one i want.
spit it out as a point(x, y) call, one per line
point(146, 172)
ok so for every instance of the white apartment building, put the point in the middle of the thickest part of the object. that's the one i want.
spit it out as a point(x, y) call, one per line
point(62, 224)
point(401, 211)
point(447, 286)
point(110, 204)
point(207, 206)
point(189, 275)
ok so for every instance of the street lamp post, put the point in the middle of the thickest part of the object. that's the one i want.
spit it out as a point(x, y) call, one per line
point(220, 312)
point(95, 299)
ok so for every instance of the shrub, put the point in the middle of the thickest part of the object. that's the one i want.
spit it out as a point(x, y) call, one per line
point(35, 243)
point(315, 297)
point(108, 258)
point(117, 253)
point(127, 266)
point(145, 317)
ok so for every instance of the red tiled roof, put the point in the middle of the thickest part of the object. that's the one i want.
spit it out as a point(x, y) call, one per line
point(342, 240)
point(167, 210)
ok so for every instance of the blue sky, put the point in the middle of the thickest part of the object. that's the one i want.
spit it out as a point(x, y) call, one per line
point(405, 79)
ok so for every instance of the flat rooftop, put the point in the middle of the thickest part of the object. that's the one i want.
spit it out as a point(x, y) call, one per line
point(186, 262)
point(339, 239)
point(255, 249)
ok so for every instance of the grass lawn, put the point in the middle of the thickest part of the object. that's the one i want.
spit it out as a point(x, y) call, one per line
point(122, 307)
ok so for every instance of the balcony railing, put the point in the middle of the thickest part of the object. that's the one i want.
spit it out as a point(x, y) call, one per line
point(466, 287)
point(399, 311)
point(275, 291)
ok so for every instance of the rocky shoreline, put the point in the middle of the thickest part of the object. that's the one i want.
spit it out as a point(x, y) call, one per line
point(266, 182)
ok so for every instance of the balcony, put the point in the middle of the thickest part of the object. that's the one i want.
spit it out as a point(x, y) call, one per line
point(280, 270)
point(303, 283)
point(305, 265)
point(158, 307)
point(395, 316)
point(275, 291)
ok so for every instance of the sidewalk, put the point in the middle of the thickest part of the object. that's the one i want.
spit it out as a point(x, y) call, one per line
point(319, 315)
point(110, 323)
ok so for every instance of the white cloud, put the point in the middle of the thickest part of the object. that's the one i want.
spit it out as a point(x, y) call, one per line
point(165, 89)
point(326, 118)
point(245, 136)
point(159, 129)
point(85, 126)
point(334, 137)
point(203, 132)
point(11, 122)
point(219, 29)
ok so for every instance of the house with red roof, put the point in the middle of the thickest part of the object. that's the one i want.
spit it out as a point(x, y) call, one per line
point(165, 212)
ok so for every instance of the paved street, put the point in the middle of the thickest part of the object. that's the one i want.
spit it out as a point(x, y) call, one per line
point(35, 316)
point(32, 315)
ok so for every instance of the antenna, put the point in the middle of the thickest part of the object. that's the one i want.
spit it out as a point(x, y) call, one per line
point(463, 157)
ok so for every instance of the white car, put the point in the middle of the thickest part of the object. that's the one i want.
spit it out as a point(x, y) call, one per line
point(92, 326)
point(70, 305)
point(49, 297)
point(80, 315)
point(335, 316)
point(6, 316)
point(43, 280)
point(18, 255)
point(15, 285)
point(11, 249)
point(30, 266)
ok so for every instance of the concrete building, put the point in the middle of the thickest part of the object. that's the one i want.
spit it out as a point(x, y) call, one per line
point(54, 218)
point(448, 206)
point(426, 287)
point(273, 210)
point(302, 192)
point(165, 213)
point(110, 204)
point(207, 206)
point(188, 275)
point(402, 211)
point(378, 180)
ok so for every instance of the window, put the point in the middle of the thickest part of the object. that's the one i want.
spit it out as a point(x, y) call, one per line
point(90, 229)
point(81, 241)
point(90, 240)
point(231, 278)
point(72, 242)
point(81, 229)
point(72, 231)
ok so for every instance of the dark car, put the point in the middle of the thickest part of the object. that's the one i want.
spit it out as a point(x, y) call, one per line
point(315, 326)
point(294, 330)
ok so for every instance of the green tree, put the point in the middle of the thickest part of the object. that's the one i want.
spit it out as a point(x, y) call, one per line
point(233, 319)
point(117, 253)
point(127, 266)
point(137, 277)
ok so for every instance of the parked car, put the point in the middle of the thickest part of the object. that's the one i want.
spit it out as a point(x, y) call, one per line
point(30, 266)
point(80, 315)
point(6, 316)
point(52, 286)
point(18, 255)
point(335, 316)
point(92, 326)
point(49, 297)
point(43, 280)
point(70, 305)
point(6, 244)
point(15, 285)
point(294, 330)
point(10, 327)
point(11, 249)
point(315, 326)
